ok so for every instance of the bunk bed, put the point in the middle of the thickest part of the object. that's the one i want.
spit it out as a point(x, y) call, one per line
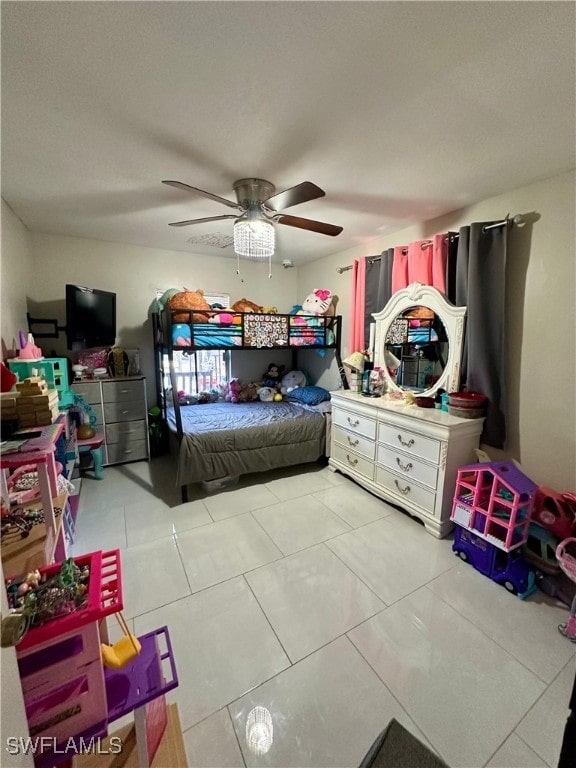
point(222, 439)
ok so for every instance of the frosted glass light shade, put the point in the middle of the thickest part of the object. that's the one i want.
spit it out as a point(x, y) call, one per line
point(254, 238)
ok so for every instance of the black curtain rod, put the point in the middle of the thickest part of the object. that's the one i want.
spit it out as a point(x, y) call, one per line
point(518, 220)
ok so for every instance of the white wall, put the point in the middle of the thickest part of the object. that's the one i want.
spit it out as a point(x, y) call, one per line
point(541, 300)
point(16, 280)
point(135, 274)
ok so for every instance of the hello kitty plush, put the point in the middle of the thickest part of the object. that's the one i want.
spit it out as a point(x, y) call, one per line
point(318, 302)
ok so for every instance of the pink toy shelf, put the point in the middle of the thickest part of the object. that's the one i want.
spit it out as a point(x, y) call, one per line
point(494, 500)
point(68, 693)
point(104, 597)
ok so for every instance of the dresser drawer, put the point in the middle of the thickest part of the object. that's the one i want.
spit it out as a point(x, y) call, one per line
point(97, 408)
point(353, 461)
point(90, 391)
point(405, 488)
point(125, 432)
point(410, 442)
point(357, 443)
point(356, 423)
point(406, 465)
point(132, 451)
point(124, 411)
point(122, 391)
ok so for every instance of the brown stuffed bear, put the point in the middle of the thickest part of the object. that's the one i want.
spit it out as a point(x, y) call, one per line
point(248, 393)
point(245, 305)
point(188, 300)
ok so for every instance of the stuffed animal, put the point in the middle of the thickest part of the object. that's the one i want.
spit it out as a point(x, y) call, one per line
point(270, 310)
point(163, 300)
point(266, 394)
point(273, 376)
point(248, 393)
point(318, 302)
point(245, 305)
point(292, 380)
point(221, 318)
point(234, 388)
point(188, 300)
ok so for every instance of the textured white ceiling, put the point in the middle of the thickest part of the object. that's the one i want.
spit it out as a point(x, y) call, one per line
point(401, 111)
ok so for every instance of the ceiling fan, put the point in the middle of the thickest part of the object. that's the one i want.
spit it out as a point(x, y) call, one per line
point(257, 200)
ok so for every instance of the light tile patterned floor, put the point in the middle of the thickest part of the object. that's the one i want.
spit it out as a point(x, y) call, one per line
point(304, 610)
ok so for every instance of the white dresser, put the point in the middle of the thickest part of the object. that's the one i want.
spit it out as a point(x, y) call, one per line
point(406, 455)
point(121, 413)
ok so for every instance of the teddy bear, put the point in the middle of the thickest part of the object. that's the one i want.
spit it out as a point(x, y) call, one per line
point(273, 376)
point(292, 380)
point(245, 305)
point(185, 300)
point(248, 393)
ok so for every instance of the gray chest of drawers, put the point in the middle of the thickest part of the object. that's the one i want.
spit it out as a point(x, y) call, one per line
point(121, 413)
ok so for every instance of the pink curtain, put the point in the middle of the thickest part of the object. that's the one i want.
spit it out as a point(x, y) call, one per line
point(439, 261)
point(422, 261)
point(357, 340)
point(400, 268)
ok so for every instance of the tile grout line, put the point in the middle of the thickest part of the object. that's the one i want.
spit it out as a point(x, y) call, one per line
point(480, 629)
point(236, 735)
point(268, 620)
point(402, 707)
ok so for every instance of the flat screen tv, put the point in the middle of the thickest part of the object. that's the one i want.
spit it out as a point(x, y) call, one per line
point(90, 317)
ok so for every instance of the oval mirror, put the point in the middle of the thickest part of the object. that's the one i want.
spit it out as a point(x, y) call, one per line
point(418, 341)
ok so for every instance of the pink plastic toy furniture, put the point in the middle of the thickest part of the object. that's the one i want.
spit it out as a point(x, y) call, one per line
point(567, 561)
point(494, 500)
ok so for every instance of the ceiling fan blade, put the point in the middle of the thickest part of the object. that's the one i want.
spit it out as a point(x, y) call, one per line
point(309, 224)
point(188, 188)
point(201, 221)
point(301, 193)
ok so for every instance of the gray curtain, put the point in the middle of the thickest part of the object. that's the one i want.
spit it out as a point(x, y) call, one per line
point(378, 289)
point(480, 285)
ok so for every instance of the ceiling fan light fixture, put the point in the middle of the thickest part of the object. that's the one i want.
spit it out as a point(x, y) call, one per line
point(254, 237)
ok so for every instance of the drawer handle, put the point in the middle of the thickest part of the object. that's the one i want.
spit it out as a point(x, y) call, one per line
point(127, 451)
point(353, 443)
point(406, 443)
point(352, 462)
point(124, 411)
point(404, 491)
point(353, 422)
point(124, 391)
point(404, 467)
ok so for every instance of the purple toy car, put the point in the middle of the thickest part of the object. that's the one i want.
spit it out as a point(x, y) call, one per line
point(506, 568)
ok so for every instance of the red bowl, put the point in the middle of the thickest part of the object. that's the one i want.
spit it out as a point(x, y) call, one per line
point(425, 402)
point(467, 399)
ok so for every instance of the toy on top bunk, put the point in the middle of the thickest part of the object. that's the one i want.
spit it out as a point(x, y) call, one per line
point(318, 303)
point(307, 324)
point(188, 300)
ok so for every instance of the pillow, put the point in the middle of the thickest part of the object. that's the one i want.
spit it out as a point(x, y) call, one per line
point(309, 395)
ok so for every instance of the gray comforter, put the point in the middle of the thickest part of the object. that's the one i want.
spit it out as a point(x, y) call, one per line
point(223, 439)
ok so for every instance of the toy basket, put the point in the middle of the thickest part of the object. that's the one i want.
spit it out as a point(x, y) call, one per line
point(104, 597)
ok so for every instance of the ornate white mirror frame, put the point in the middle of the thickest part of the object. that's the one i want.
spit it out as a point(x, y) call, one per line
point(451, 316)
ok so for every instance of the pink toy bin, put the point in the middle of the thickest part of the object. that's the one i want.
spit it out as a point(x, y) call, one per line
point(104, 598)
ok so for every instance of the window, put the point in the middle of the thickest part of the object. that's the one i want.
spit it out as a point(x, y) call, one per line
point(204, 369)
